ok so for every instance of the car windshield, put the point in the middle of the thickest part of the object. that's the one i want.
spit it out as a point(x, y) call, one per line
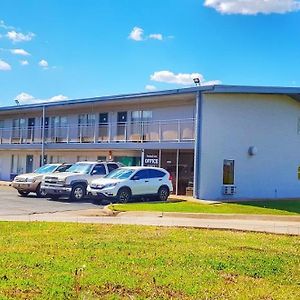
point(80, 168)
point(46, 169)
point(120, 174)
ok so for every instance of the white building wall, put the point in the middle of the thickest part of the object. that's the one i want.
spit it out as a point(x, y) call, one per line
point(231, 124)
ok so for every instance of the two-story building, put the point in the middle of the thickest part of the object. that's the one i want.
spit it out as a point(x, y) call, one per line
point(216, 141)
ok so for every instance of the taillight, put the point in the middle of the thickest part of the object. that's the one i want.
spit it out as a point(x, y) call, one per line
point(170, 177)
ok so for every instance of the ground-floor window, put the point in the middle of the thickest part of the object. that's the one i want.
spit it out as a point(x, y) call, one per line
point(228, 171)
point(128, 160)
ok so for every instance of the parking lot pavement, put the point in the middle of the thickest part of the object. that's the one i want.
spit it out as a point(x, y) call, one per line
point(13, 204)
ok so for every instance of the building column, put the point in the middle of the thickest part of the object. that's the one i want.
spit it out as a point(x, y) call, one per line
point(197, 147)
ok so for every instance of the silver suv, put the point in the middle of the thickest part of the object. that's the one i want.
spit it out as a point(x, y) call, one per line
point(74, 182)
point(31, 182)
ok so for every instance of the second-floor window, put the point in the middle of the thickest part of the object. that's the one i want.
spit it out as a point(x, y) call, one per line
point(86, 125)
point(58, 125)
point(18, 127)
point(141, 115)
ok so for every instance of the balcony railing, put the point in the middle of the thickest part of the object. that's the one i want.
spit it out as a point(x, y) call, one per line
point(148, 131)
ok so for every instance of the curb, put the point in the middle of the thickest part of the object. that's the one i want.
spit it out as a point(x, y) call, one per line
point(204, 216)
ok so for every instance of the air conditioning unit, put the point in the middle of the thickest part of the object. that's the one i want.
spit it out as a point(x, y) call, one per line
point(229, 189)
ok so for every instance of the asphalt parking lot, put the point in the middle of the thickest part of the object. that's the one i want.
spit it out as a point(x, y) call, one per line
point(13, 204)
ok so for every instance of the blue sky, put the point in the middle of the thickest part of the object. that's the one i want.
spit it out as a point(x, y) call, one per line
point(66, 49)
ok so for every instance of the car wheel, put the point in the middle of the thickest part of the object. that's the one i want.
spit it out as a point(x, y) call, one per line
point(124, 195)
point(40, 193)
point(163, 193)
point(23, 194)
point(78, 192)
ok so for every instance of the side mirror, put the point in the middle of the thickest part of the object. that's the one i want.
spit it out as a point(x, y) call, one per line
point(94, 172)
point(135, 177)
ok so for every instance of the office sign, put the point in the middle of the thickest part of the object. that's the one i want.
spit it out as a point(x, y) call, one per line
point(151, 160)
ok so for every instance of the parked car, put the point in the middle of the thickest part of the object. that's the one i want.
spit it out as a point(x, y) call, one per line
point(31, 182)
point(130, 182)
point(74, 182)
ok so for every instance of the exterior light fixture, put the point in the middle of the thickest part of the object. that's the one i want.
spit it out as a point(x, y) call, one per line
point(252, 150)
point(197, 81)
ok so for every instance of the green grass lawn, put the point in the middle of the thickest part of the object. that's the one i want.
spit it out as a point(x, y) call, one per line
point(284, 207)
point(84, 261)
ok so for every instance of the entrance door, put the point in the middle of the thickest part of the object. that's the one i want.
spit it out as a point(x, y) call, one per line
point(30, 131)
point(103, 127)
point(29, 163)
point(121, 127)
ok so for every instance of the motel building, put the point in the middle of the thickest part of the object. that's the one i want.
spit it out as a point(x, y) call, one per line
point(217, 142)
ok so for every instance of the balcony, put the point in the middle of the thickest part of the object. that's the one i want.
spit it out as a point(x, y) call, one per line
point(131, 132)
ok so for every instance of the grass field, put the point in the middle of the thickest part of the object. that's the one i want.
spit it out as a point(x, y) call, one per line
point(82, 261)
point(284, 207)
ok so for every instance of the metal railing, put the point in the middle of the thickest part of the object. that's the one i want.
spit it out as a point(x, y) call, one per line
point(180, 130)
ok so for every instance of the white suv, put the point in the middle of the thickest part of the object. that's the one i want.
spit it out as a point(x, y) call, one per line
point(73, 183)
point(129, 182)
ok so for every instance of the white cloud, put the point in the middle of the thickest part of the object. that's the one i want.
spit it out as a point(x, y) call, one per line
point(19, 52)
point(3, 25)
point(25, 98)
point(24, 62)
point(43, 63)
point(20, 37)
point(136, 34)
point(253, 7)
point(170, 77)
point(4, 66)
point(180, 78)
point(156, 36)
point(58, 98)
point(150, 87)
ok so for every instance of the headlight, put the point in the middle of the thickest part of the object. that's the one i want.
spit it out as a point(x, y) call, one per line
point(102, 186)
point(30, 180)
point(62, 182)
point(109, 185)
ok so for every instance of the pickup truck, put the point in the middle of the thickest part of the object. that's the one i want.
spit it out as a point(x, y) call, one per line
point(73, 183)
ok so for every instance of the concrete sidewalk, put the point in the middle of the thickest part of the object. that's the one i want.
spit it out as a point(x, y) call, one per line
point(270, 224)
point(5, 183)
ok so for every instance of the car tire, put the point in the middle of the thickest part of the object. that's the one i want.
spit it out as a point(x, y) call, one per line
point(23, 194)
point(124, 195)
point(78, 192)
point(163, 193)
point(40, 193)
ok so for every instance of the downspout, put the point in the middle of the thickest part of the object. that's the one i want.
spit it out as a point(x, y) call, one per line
point(43, 137)
point(198, 145)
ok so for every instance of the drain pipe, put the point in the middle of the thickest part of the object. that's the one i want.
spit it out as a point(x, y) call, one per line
point(198, 145)
point(43, 137)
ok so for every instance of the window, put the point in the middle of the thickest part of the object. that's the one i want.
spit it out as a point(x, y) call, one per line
point(63, 168)
point(99, 170)
point(59, 126)
point(156, 173)
point(142, 174)
point(1, 124)
point(18, 127)
point(86, 119)
point(112, 167)
point(228, 171)
point(141, 115)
